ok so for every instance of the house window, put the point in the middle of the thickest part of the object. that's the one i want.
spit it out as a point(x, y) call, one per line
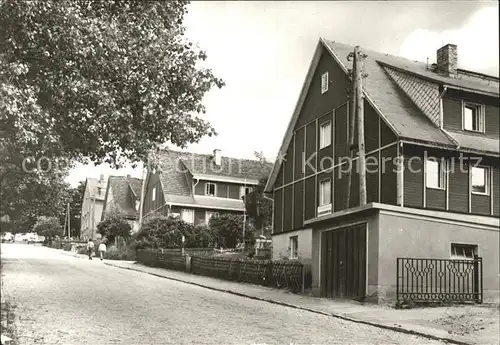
point(325, 193)
point(435, 173)
point(209, 215)
point(210, 189)
point(324, 83)
point(325, 135)
point(244, 191)
point(479, 180)
point(473, 117)
point(153, 194)
point(187, 215)
point(463, 251)
point(294, 247)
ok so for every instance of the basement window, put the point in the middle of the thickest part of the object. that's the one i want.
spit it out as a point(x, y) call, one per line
point(473, 117)
point(479, 180)
point(463, 251)
point(435, 174)
point(324, 83)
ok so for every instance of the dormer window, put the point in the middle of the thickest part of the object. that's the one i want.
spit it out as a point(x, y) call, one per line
point(244, 191)
point(473, 117)
point(210, 189)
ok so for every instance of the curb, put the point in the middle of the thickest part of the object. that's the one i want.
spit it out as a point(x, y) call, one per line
point(346, 318)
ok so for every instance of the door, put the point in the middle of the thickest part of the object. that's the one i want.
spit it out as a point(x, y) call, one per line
point(343, 262)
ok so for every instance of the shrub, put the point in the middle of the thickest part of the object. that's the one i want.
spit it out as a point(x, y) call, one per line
point(82, 250)
point(228, 231)
point(112, 253)
point(114, 226)
point(124, 253)
point(67, 247)
point(162, 232)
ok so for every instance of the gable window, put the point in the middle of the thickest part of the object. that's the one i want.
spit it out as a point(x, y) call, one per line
point(473, 117)
point(325, 193)
point(479, 180)
point(463, 251)
point(210, 189)
point(435, 174)
point(244, 191)
point(325, 135)
point(153, 194)
point(187, 215)
point(324, 83)
point(294, 247)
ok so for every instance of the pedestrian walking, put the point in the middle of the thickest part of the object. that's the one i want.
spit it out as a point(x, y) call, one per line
point(90, 247)
point(102, 249)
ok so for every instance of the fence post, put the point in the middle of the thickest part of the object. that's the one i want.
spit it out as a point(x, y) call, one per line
point(476, 279)
point(303, 277)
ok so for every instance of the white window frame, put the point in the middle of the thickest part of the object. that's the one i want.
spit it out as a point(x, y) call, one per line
point(294, 247)
point(325, 132)
point(187, 215)
point(207, 184)
point(459, 251)
point(441, 164)
point(242, 191)
point(153, 194)
point(210, 214)
point(487, 179)
point(324, 82)
point(321, 192)
point(480, 117)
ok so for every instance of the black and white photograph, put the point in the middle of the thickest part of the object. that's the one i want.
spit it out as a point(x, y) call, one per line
point(249, 172)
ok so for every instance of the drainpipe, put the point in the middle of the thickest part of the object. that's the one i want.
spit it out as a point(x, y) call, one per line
point(143, 191)
point(194, 186)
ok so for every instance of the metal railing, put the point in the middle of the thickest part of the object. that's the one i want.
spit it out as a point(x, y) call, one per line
point(439, 280)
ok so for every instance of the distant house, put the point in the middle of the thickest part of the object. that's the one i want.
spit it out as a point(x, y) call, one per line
point(432, 177)
point(197, 186)
point(92, 207)
point(123, 196)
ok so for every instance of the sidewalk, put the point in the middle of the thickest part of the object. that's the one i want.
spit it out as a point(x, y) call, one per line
point(458, 325)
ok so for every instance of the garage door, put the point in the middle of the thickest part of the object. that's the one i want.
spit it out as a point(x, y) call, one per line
point(343, 262)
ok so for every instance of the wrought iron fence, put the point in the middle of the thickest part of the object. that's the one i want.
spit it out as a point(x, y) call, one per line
point(439, 280)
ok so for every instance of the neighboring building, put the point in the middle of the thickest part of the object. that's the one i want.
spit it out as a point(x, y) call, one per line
point(92, 206)
point(412, 111)
point(123, 196)
point(196, 186)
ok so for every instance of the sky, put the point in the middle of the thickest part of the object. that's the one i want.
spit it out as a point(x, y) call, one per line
point(262, 51)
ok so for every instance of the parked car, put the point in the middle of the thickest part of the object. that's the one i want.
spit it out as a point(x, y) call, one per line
point(7, 238)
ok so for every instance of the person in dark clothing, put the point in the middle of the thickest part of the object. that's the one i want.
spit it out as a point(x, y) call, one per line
point(90, 248)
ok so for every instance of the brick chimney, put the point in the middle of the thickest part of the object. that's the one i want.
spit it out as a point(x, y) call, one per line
point(217, 157)
point(447, 60)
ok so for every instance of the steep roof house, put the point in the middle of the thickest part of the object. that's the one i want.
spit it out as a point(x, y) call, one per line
point(92, 206)
point(432, 184)
point(123, 196)
point(197, 186)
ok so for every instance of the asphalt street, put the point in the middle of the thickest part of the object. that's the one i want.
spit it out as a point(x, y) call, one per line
point(60, 299)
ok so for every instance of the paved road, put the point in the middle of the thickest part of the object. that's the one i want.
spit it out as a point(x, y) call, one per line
point(66, 300)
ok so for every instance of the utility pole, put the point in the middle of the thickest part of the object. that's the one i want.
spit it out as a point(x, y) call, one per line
point(352, 121)
point(69, 223)
point(244, 214)
point(361, 126)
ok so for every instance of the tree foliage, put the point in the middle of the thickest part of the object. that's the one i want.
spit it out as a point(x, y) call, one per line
point(228, 230)
point(75, 208)
point(87, 79)
point(48, 227)
point(114, 226)
point(100, 79)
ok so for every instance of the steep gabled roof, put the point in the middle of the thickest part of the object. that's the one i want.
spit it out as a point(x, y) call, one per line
point(124, 197)
point(177, 169)
point(405, 94)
